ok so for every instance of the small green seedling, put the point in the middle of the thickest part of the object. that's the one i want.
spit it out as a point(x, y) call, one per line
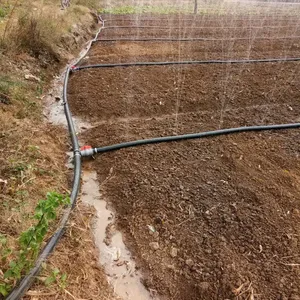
point(57, 277)
point(30, 242)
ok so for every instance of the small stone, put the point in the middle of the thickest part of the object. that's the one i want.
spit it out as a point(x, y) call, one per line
point(154, 246)
point(173, 252)
point(189, 262)
point(32, 77)
point(57, 98)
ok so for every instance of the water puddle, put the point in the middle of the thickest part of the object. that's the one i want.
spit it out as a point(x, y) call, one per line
point(114, 256)
point(54, 109)
point(53, 100)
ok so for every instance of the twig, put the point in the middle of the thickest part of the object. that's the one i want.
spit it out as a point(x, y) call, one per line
point(291, 265)
point(27, 181)
point(67, 292)
point(36, 293)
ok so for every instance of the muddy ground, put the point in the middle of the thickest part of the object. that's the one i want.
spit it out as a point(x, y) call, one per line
point(225, 210)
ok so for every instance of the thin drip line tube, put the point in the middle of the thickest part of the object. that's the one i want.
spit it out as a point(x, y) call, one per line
point(192, 39)
point(192, 62)
point(176, 20)
point(199, 27)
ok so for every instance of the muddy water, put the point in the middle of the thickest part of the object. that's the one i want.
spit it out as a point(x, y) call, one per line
point(53, 100)
point(54, 108)
point(115, 257)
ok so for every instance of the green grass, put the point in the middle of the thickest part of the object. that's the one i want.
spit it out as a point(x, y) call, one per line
point(7, 84)
point(3, 12)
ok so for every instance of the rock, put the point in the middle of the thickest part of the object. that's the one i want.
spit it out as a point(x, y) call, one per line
point(32, 78)
point(151, 229)
point(173, 252)
point(154, 246)
point(189, 262)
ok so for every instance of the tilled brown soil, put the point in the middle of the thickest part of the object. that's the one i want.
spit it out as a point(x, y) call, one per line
point(225, 210)
point(103, 94)
point(128, 51)
point(210, 25)
point(194, 21)
point(200, 32)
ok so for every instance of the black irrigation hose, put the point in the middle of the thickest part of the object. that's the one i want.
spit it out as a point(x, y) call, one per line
point(176, 21)
point(192, 62)
point(206, 19)
point(19, 291)
point(192, 39)
point(174, 138)
point(198, 27)
point(22, 287)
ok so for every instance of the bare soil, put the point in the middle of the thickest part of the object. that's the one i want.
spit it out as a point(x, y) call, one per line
point(124, 51)
point(225, 210)
point(205, 21)
point(202, 32)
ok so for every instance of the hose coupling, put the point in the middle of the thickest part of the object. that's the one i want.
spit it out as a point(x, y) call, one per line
point(73, 69)
point(87, 151)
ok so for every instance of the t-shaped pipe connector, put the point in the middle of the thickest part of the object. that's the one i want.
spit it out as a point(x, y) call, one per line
point(86, 151)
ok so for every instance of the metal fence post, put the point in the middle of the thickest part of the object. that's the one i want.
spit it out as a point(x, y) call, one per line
point(196, 7)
